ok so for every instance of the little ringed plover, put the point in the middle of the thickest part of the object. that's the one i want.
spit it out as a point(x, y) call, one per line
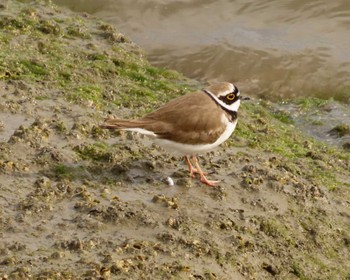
point(190, 124)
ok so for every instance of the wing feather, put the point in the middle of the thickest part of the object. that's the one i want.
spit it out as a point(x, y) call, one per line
point(190, 119)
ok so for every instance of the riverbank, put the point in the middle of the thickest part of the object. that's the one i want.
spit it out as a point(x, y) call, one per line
point(79, 202)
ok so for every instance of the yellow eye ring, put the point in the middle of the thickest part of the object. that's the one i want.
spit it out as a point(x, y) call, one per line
point(230, 96)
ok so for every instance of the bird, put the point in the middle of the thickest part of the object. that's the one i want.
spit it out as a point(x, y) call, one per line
point(191, 124)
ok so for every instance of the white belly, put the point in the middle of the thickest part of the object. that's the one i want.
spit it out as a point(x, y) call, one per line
point(189, 149)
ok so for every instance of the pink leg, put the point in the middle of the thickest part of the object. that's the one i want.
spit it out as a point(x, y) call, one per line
point(193, 170)
point(203, 179)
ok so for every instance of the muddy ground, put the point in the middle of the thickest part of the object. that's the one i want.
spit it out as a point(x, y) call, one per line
point(78, 202)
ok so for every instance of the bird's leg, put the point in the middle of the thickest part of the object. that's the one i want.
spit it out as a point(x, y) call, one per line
point(203, 179)
point(193, 170)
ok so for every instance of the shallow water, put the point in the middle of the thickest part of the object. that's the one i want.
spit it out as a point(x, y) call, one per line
point(270, 49)
point(319, 121)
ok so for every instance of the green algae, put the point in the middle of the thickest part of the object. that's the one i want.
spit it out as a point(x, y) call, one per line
point(120, 71)
point(62, 171)
point(262, 130)
point(96, 151)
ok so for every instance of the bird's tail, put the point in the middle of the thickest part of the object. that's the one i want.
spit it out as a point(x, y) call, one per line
point(140, 126)
point(121, 124)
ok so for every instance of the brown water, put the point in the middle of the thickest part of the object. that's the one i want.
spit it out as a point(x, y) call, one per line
point(269, 48)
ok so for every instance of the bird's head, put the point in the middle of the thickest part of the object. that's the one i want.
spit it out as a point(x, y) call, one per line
point(226, 95)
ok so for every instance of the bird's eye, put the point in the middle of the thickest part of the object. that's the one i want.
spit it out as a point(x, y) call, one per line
point(230, 96)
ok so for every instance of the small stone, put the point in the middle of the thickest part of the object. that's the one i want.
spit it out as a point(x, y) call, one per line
point(106, 191)
point(43, 182)
point(170, 181)
point(57, 255)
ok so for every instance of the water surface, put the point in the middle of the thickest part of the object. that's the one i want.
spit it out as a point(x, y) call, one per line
point(274, 49)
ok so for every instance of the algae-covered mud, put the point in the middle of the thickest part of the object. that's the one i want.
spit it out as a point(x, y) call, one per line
point(78, 202)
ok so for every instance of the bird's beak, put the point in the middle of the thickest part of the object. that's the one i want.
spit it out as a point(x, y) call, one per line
point(244, 98)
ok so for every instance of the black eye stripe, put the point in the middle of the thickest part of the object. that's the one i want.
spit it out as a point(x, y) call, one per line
point(228, 100)
point(233, 114)
point(224, 98)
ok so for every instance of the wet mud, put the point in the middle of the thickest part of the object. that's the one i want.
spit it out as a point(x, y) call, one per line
point(78, 202)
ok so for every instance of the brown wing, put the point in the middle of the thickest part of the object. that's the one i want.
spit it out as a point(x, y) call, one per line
point(190, 119)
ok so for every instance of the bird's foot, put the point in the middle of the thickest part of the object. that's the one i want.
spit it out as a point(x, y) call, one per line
point(204, 180)
point(198, 170)
point(194, 171)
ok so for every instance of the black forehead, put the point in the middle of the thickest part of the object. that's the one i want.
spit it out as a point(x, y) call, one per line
point(236, 90)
